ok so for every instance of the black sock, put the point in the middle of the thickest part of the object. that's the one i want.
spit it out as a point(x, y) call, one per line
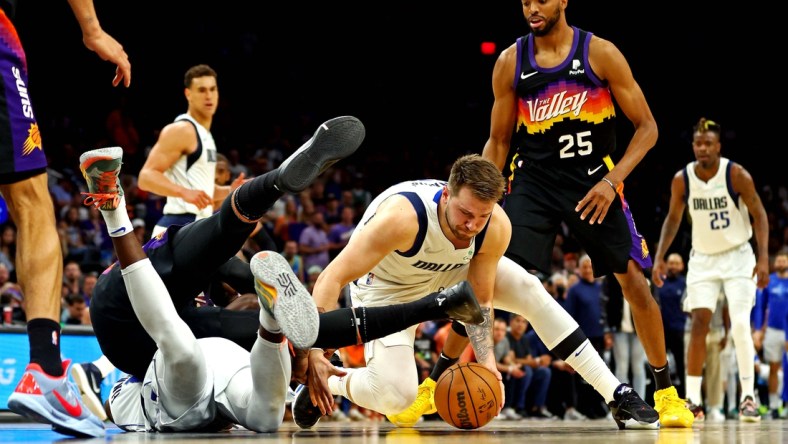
point(661, 377)
point(254, 198)
point(340, 328)
point(444, 362)
point(44, 337)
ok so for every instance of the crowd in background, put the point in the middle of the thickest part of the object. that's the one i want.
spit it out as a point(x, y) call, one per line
point(312, 228)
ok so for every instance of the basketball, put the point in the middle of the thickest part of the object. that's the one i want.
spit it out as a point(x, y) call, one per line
point(467, 395)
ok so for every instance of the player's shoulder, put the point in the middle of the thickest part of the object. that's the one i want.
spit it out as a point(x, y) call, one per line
point(499, 230)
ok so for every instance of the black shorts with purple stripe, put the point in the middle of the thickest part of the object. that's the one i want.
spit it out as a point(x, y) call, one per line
point(543, 196)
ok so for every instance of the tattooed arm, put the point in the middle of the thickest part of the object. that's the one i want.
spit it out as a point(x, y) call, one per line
point(482, 275)
point(481, 337)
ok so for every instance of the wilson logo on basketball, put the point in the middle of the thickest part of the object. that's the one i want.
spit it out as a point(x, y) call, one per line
point(462, 415)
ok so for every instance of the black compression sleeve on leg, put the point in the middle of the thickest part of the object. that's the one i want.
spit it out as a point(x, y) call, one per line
point(340, 328)
point(337, 329)
point(459, 329)
point(254, 198)
point(566, 347)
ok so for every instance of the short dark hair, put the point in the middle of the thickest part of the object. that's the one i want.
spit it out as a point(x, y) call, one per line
point(480, 175)
point(74, 298)
point(197, 71)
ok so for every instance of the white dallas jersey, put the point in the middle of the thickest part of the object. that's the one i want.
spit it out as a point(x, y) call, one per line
point(137, 405)
point(432, 254)
point(197, 171)
point(720, 218)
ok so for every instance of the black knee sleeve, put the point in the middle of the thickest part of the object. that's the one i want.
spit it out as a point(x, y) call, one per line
point(569, 344)
point(459, 329)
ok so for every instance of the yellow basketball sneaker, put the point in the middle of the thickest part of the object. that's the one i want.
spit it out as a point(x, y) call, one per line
point(423, 405)
point(673, 411)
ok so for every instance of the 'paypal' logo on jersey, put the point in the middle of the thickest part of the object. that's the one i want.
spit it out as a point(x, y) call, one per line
point(576, 68)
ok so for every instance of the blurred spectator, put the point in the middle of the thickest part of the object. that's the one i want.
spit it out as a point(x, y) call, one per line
point(361, 195)
point(75, 309)
point(290, 253)
point(510, 370)
point(140, 231)
point(425, 353)
point(223, 173)
point(529, 394)
point(8, 246)
point(11, 296)
point(562, 394)
point(72, 238)
point(312, 273)
point(332, 210)
point(290, 215)
point(628, 351)
point(236, 164)
point(5, 275)
point(339, 234)
point(96, 236)
point(88, 284)
point(584, 304)
point(674, 318)
point(72, 277)
point(570, 263)
point(313, 243)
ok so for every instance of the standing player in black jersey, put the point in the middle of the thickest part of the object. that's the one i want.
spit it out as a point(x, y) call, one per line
point(554, 102)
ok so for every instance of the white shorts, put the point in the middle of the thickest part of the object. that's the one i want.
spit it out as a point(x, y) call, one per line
point(223, 360)
point(728, 273)
point(773, 345)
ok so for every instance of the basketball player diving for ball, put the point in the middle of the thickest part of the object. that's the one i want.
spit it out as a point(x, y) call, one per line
point(190, 384)
point(426, 235)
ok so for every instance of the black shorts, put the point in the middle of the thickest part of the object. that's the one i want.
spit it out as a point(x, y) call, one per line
point(21, 152)
point(186, 271)
point(543, 196)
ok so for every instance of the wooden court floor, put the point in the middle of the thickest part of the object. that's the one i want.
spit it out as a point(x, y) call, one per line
point(437, 432)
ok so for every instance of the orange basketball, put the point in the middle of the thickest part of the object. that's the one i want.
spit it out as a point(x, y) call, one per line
point(467, 395)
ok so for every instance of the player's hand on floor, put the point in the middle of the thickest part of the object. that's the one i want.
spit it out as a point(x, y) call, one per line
point(320, 369)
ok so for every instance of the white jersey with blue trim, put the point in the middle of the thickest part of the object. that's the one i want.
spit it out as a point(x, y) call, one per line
point(196, 171)
point(137, 405)
point(431, 255)
point(720, 218)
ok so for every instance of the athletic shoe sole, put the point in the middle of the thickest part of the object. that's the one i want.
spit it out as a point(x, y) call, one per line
point(334, 140)
point(87, 158)
point(305, 415)
point(294, 308)
point(82, 380)
point(36, 408)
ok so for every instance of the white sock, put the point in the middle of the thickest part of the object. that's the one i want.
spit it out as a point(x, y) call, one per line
point(338, 384)
point(589, 364)
point(693, 389)
point(268, 322)
point(774, 401)
point(117, 220)
point(104, 366)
